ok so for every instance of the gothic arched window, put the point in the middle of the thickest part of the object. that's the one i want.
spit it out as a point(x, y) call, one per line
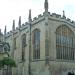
point(36, 44)
point(23, 46)
point(64, 43)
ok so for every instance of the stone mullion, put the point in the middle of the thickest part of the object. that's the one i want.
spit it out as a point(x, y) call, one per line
point(73, 47)
point(61, 44)
point(67, 52)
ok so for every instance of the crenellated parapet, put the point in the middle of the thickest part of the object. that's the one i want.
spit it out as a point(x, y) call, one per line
point(35, 18)
point(58, 17)
point(53, 16)
point(23, 26)
point(40, 15)
point(39, 18)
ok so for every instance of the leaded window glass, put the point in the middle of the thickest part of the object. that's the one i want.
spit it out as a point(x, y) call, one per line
point(64, 43)
point(36, 44)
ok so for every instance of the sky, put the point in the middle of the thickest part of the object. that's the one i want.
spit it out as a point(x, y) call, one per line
point(11, 10)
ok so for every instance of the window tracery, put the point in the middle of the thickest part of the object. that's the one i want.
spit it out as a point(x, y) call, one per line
point(64, 43)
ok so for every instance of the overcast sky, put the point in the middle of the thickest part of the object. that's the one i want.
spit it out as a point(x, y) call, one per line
point(12, 9)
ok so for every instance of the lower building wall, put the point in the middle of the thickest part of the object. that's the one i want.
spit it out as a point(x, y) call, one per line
point(40, 68)
point(1, 72)
point(61, 68)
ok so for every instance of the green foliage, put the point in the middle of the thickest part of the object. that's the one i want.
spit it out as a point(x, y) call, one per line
point(8, 62)
point(1, 64)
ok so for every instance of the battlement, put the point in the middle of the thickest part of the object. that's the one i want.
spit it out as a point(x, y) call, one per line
point(42, 16)
point(59, 17)
point(68, 19)
point(8, 34)
point(35, 18)
point(24, 26)
point(54, 16)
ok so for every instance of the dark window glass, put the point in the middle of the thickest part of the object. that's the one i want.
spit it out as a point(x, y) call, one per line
point(36, 44)
point(23, 46)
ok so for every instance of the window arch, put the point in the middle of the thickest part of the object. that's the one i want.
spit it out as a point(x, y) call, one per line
point(64, 43)
point(36, 44)
point(23, 46)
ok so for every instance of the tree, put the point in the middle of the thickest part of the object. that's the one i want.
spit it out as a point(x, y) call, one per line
point(1, 64)
point(8, 62)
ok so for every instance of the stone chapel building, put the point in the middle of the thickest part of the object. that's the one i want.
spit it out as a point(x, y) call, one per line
point(45, 45)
